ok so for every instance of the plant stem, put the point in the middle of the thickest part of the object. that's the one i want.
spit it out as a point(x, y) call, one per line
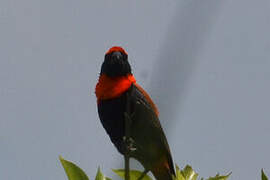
point(127, 177)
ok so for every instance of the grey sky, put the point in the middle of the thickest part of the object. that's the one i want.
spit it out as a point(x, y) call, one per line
point(205, 63)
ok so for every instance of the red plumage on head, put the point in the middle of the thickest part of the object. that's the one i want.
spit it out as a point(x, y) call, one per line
point(116, 48)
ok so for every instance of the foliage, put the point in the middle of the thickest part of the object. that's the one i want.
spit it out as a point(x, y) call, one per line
point(75, 173)
point(134, 174)
point(264, 177)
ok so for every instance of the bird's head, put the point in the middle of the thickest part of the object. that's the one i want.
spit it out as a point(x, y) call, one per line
point(116, 63)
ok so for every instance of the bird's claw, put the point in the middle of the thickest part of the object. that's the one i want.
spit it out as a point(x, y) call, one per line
point(129, 144)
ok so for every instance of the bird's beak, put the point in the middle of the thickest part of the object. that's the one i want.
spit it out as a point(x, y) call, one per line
point(116, 55)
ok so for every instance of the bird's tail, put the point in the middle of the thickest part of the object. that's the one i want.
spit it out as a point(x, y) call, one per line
point(163, 171)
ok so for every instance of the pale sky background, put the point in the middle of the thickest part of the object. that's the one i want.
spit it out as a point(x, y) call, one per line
point(206, 64)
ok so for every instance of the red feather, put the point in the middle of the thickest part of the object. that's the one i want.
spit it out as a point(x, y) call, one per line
point(112, 87)
point(116, 48)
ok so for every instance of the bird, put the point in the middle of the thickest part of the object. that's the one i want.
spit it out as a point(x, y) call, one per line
point(117, 93)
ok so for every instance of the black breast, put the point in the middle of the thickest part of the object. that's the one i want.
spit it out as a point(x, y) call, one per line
point(111, 114)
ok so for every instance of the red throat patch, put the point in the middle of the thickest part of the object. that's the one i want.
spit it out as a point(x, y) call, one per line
point(113, 87)
point(109, 88)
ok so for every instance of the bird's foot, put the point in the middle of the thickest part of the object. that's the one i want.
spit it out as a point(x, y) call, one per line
point(129, 144)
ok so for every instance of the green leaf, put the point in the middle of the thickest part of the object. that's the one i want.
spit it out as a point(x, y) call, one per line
point(100, 176)
point(189, 173)
point(73, 171)
point(218, 177)
point(264, 177)
point(186, 174)
point(134, 174)
point(179, 175)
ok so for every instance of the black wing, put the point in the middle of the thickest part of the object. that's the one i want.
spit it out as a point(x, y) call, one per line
point(150, 140)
